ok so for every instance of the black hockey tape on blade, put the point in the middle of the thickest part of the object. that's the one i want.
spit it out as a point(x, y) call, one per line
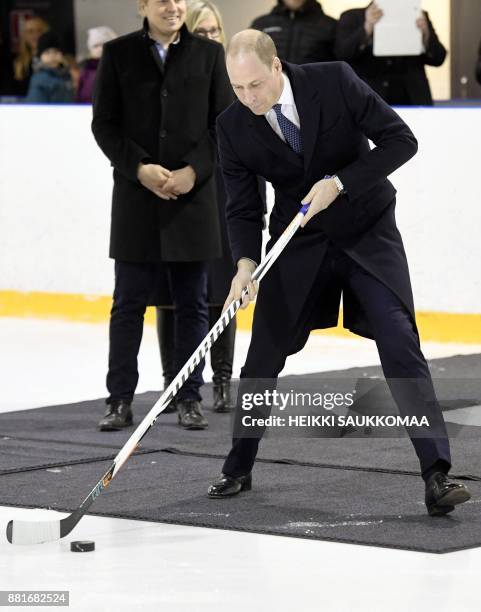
point(82, 546)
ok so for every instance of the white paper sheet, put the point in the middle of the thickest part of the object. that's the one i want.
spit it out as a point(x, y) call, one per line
point(396, 33)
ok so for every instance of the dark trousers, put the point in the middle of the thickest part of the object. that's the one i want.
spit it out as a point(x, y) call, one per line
point(221, 353)
point(399, 352)
point(133, 287)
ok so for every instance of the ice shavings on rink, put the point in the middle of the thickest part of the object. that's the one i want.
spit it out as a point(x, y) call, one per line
point(313, 525)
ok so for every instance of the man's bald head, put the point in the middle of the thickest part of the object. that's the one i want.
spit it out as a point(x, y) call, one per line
point(252, 41)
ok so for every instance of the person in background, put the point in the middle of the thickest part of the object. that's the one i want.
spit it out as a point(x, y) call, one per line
point(399, 80)
point(23, 64)
point(478, 65)
point(96, 38)
point(157, 95)
point(204, 19)
point(301, 30)
point(51, 82)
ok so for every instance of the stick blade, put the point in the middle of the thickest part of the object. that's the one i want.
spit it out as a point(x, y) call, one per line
point(33, 532)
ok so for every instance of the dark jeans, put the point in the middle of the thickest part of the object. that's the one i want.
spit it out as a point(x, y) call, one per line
point(133, 287)
point(399, 352)
point(221, 353)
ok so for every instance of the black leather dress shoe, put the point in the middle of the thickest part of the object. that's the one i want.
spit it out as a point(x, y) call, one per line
point(191, 415)
point(118, 416)
point(227, 486)
point(443, 493)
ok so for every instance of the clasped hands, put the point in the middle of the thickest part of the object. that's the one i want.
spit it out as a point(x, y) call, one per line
point(320, 197)
point(166, 184)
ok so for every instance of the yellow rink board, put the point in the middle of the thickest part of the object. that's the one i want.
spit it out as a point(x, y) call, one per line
point(434, 326)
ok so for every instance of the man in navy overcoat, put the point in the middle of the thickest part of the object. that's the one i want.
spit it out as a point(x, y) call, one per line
point(294, 125)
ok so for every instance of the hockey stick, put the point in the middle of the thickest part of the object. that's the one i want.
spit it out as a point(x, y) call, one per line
point(37, 532)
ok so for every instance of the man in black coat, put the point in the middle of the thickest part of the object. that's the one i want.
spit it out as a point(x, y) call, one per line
point(294, 125)
point(301, 31)
point(398, 80)
point(157, 96)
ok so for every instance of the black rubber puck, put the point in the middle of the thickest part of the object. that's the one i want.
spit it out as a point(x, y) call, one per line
point(82, 546)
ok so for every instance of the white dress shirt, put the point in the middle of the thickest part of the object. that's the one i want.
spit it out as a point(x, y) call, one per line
point(288, 109)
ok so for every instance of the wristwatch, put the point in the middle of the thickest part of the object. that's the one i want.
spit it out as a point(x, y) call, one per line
point(339, 185)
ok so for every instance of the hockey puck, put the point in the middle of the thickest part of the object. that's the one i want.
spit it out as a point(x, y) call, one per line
point(82, 546)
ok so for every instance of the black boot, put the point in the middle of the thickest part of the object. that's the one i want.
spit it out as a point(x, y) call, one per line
point(221, 359)
point(117, 417)
point(222, 397)
point(165, 334)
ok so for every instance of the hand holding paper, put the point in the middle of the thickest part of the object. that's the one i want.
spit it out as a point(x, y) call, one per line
point(373, 15)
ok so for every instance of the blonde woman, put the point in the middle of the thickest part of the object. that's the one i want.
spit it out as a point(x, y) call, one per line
point(204, 19)
point(22, 65)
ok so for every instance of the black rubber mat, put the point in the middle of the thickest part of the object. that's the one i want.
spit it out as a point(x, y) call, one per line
point(375, 509)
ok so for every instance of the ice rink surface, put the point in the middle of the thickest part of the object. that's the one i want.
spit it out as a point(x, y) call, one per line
point(152, 566)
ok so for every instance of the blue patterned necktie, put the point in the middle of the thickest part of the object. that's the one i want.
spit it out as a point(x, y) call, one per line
point(291, 132)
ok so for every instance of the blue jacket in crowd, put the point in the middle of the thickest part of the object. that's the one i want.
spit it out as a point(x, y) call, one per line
point(50, 85)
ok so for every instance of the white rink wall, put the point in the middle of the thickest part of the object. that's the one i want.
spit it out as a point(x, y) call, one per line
point(55, 189)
